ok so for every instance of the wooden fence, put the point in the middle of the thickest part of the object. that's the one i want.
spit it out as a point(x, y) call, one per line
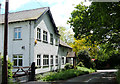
point(23, 71)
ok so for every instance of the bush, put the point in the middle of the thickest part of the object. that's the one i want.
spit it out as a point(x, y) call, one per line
point(9, 69)
point(63, 75)
point(118, 76)
point(68, 66)
point(84, 57)
point(86, 70)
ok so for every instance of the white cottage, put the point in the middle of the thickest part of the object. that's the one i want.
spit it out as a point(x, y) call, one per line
point(33, 37)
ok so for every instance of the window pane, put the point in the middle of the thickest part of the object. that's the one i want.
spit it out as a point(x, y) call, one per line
point(15, 35)
point(14, 56)
point(19, 35)
point(20, 56)
point(20, 62)
point(15, 62)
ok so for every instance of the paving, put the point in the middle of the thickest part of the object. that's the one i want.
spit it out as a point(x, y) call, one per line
point(99, 77)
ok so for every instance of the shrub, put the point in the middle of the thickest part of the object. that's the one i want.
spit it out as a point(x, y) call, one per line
point(62, 75)
point(9, 69)
point(68, 66)
point(84, 57)
point(118, 76)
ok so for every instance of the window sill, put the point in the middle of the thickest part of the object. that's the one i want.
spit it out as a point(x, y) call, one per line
point(38, 39)
point(51, 43)
point(56, 45)
point(51, 65)
point(16, 39)
point(45, 41)
point(45, 66)
point(38, 67)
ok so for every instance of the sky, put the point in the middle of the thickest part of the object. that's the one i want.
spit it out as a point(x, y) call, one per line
point(60, 9)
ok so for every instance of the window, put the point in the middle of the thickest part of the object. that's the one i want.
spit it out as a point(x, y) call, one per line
point(62, 60)
point(56, 42)
point(38, 60)
point(45, 60)
point(17, 33)
point(17, 60)
point(51, 59)
point(51, 39)
point(56, 60)
point(38, 34)
point(45, 36)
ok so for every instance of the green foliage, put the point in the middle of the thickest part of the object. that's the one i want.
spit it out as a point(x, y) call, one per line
point(80, 64)
point(9, 69)
point(66, 35)
point(68, 66)
point(101, 18)
point(63, 75)
point(84, 69)
point(118, 76)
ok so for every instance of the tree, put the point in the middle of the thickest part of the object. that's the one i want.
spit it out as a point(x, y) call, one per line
point(66, 35)
point(103, 19)
point(86, 44)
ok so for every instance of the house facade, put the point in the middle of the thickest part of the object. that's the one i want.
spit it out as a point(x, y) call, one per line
point(33, 37)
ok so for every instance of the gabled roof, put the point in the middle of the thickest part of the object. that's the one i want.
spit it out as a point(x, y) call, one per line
point(24, 15)
point(64, 44)
point(28, 15)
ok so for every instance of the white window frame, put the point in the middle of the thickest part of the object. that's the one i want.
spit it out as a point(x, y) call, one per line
point(17, 30)
point(39, 60)
point(18, 59)
point(45, 36)
point(38, 34)
point(45, 60)
point(51, 38)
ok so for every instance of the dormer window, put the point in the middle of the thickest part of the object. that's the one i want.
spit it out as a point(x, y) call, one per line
point(45, 36)
point(38, 34)
point(17, 33)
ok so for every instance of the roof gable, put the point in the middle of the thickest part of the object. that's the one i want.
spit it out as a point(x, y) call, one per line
point(27, 15)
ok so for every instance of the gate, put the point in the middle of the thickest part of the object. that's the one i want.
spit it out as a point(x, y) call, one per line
point(28, 72)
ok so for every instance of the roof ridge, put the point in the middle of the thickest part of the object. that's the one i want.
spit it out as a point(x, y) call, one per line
point(26, 10)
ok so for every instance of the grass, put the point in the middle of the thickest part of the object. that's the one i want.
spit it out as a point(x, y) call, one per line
point(64, 75)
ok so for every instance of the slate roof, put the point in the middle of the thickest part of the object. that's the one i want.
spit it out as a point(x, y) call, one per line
point(64, 44)
point(24, 15)
point(28, 15)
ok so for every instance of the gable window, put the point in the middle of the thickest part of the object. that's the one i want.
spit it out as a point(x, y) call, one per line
point(56, 60)
point(38, 60)
point(38, 34)
point(45, 60)
point(51, 39)
point(45, 36)
point(17, 33)
point(17, 60)
point(51, 59)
